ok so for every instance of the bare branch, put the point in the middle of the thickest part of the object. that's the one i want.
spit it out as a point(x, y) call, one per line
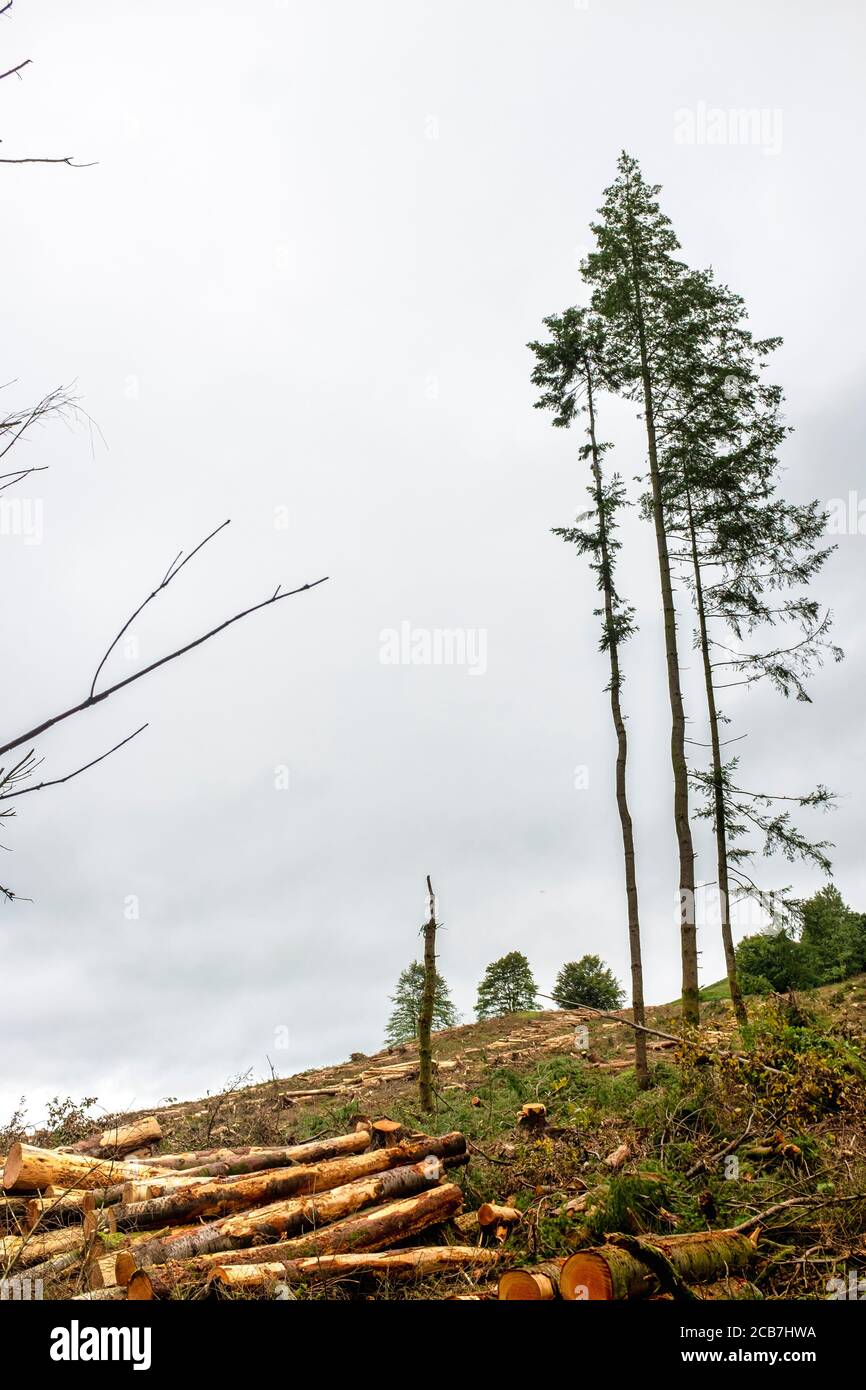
point(58, 781)
point(10, 72)
point(12, 478)
point(46, 159)
point(92, 699)
point(173, 569)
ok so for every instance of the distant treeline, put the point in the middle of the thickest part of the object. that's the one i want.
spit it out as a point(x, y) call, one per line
point(827, 945)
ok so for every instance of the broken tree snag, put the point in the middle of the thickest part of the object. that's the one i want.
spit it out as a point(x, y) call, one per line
point(210, 1200)
point(425, 1015)
point(536, 1285)
point(636, 1268)
point(118, 1140)
point(29, 1169)
point(417, 1263)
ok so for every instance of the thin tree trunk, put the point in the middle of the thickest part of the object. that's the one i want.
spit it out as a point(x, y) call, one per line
point(688, 930)
point(640, 1053)
point(425, 1018)
point(718, 783)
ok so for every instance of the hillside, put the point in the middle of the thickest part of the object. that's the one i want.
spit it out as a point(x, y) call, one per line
point(730, 1128)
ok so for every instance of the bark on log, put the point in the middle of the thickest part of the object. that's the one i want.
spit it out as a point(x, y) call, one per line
point(13, 1214)
point(29, 1169)
point(118, 1140)
point(535, 1285)
point(489, 1214)
point(145, 1285)
point(417, 1263)
point(22, 1251)
point(374, 1229)
point(210, 1200)
point(612, 1272)
point(100, 1295)
point(58, 1208)
point(282, 1219)
point(251, 1159)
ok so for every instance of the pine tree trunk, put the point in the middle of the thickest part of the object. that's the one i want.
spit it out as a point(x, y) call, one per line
point(425, 1018)
point(688, 930)
point(718, 782)
point(640, 1053)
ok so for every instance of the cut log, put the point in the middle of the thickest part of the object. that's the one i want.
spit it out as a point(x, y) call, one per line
point(118, 1140)
point(618, 1157)
point(536, 1285)
point(57, 1265)
point(29, 1169)
point(58, 1208)
point(613, 1271)
point(145, 1285)
point(113, 1291)
point(282, 1219)
point(100, 1272)
point(210, 1200)
point(27, 1250)
point(374, 1229)
point(417, 1263)
point(230, 1162)
point(13, 1214)
point(489, 1214)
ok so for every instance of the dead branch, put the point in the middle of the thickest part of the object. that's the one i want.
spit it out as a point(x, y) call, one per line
point(58, 781)
point(95, 699)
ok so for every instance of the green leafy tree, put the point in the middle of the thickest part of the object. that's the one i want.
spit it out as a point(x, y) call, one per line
point(507, 987)
point(771, 960)
point(407, 1000)
point(588, 981)
point(832, 938)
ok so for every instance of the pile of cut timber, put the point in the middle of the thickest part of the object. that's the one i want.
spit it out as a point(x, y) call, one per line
point(245, 1218)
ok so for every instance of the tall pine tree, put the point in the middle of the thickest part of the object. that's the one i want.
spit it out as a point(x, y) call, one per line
point(571, 369)
point(638, 283)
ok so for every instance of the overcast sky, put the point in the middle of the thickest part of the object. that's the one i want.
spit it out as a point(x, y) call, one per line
point(295, 290)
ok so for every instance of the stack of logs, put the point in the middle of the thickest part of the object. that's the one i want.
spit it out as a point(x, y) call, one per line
point(247, 1218)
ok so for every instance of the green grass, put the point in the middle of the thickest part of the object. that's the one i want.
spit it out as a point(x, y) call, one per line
point(720, 990)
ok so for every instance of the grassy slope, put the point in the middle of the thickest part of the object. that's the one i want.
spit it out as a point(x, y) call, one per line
point(802, 1084)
